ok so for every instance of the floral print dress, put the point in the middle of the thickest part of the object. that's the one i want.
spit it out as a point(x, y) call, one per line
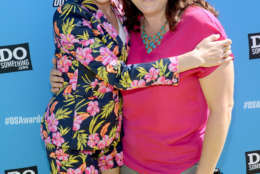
point(82, 124)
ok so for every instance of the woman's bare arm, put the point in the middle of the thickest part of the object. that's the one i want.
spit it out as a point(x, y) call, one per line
point(218, 89)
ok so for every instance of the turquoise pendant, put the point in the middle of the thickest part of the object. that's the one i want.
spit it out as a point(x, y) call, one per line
point(151, 42)
point(149, 50)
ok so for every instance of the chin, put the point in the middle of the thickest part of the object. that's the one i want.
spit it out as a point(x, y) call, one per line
point(102, 1)
point(148, 7)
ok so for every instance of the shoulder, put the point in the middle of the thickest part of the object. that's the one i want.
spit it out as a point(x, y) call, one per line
point(74, 21)
point(72, 9)
point(75, 17)
point(202, 20)
point(198, 15)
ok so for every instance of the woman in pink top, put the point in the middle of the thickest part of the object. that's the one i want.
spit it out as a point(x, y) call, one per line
point(165, 126)
point(168, 130)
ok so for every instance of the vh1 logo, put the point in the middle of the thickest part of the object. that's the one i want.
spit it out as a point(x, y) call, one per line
point(253, 162)
point(254, 45)
point(27, 170)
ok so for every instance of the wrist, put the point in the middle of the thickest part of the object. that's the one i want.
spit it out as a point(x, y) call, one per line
point(196, 58)
point(189, 61)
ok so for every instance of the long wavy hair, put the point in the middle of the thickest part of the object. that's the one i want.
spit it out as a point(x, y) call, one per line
point(174, 10)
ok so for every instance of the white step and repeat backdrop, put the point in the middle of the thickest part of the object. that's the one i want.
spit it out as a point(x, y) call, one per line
point(26, 49)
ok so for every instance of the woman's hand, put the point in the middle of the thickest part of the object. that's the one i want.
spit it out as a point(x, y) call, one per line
point(211, 52)
point(55, 78)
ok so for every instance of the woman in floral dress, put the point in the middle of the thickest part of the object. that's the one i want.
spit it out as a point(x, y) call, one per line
point(82, 124)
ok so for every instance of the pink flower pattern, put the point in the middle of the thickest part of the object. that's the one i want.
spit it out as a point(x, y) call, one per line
point(94, 84)
point(67, 41)
point(174, 64)
point(77, 121)
point(86, 43)
point(99, 14)
point(74, 80)
point(52, 123)
point(152, 75)
point(101, 144)
point(110, 29)
point(58, 164)
point(107, 56)
point(63, 64)
point(74, 52)
point(74, 171)
point(105, 142)
point(104, 88)
point(93, 140)
point(57, 139)
point(86, 23)
point(106, 162)
point(61, 155)
point(138, 84)
point(119, 159)
point(84, 55)
point(91, 170)
point(163, 81)
point(93, 108)
point(118, 130)
point(99, 28)
point(47, 140)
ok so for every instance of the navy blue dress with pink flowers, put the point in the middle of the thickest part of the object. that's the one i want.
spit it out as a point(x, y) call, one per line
point(82, 124)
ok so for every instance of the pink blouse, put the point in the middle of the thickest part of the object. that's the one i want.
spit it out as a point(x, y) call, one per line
point(164, 126)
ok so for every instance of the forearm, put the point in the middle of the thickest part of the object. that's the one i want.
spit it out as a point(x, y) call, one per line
point(188, 61)
point(127, 77)
point(214, 140)
point(101, 60)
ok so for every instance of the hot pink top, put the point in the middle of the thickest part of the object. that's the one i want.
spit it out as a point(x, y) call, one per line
point(164, 125)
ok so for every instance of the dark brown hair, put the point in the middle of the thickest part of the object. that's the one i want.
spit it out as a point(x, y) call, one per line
point(174, 10)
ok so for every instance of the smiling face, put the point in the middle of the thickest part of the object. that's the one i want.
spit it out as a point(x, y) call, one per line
point(149, 7)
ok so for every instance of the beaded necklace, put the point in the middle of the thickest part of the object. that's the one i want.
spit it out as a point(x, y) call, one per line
point(151, 42)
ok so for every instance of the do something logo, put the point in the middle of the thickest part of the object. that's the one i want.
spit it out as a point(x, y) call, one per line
point(15, 58)
point(254, 45)
point(57, 3)
point(27, 170)
point(253, 162)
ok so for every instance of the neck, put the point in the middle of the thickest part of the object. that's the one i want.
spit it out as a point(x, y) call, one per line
point(105, 8)
point(108, 12)
point(154, 22)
